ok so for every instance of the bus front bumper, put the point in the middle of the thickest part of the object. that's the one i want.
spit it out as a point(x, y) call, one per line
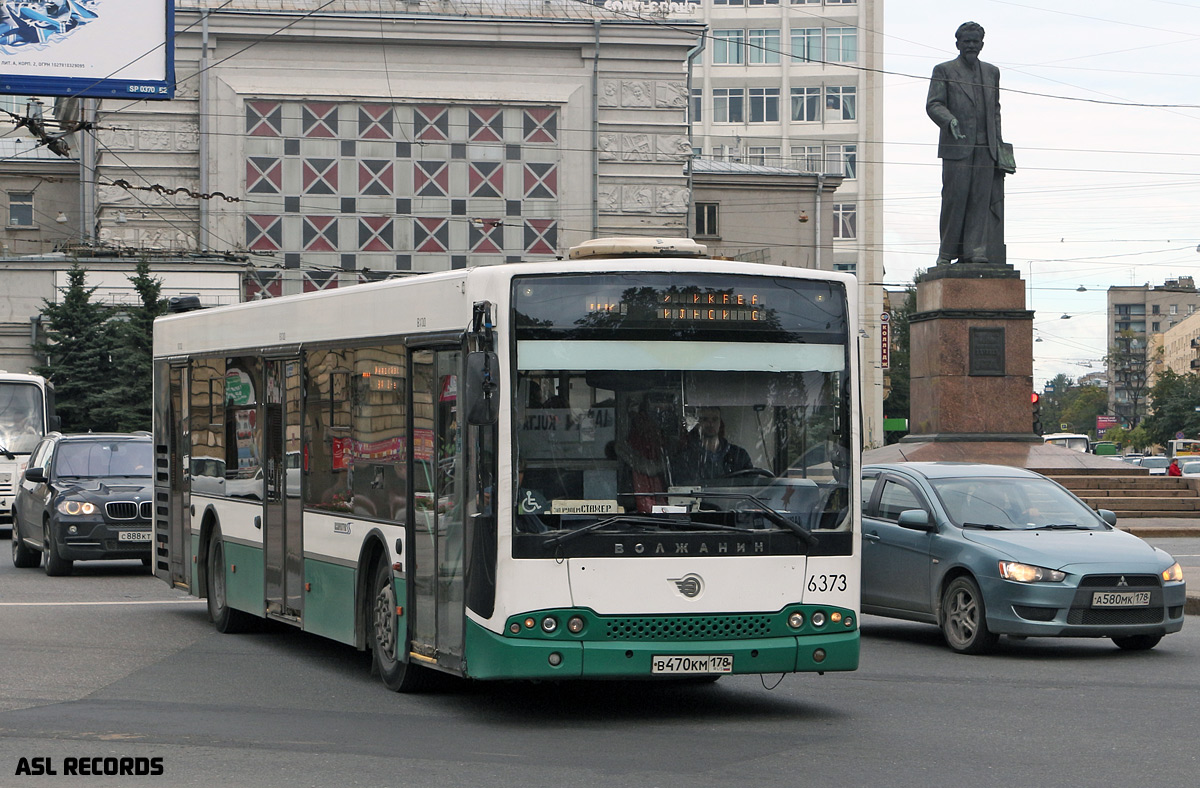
point(493, 656)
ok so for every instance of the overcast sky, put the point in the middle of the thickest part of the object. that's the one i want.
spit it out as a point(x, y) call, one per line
point(1105, 193)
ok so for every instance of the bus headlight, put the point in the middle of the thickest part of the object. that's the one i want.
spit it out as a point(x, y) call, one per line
point(575, 625)
point(796, 620)
point(818, 619)
point(549, 624)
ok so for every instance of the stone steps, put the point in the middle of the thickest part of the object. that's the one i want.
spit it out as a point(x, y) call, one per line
point(1131, 493)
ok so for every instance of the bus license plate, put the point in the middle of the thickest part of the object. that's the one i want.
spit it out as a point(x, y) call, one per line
point(718, 663)
point(133, 536)
point(1120, 599)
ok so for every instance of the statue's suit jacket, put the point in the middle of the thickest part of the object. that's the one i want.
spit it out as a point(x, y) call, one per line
point(952, 95)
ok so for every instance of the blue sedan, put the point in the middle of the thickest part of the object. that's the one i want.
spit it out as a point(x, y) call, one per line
point(989, 550)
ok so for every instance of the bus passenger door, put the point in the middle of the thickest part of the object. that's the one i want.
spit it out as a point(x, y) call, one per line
point(436, 557)
point(172, 504)
point(282, 536)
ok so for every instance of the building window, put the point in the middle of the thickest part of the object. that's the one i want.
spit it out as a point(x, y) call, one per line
point(842, 160)
point(729, 47)
point(806, 2)
point(845, 221)
point(841, 45)
point(729, 2)
point(762, 2)
point(1173, 309)
point(764, 46)
point(807, 157)
point(763, 155)
point(840, 102)
point(1154, 327)
point(694, 113)
point(764, 105)
point(729, 105)
point(20, 209)
point(706, 219)
point(1154, 309)
point(806, 105)
point(841, 2)
point(806, 45)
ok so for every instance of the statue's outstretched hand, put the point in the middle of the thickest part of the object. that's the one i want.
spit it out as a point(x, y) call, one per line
point(954, 132)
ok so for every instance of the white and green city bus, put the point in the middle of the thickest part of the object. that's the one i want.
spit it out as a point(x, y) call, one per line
point(26, 414)
point(638, 462)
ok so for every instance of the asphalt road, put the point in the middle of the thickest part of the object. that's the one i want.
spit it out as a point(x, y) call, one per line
point(113, 663)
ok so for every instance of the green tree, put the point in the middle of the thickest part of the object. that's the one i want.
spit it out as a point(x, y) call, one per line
point(1139, 439)
point(77, 349)
point(1127, 363)
point(1118, 435)
point(1174, 399)
point(1055, 397)
point(897, 404)
point(127, 406)
point(1083, 405)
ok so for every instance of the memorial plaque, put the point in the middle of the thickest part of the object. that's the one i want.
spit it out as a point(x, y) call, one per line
point(987, 351)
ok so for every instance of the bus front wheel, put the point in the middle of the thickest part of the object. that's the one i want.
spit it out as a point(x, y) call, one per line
point(387, 642)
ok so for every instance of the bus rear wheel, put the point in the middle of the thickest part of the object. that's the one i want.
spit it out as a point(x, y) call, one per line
point(387, 642)
point(224, 618)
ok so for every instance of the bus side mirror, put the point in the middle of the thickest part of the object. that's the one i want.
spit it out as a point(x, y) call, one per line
point(481, 389)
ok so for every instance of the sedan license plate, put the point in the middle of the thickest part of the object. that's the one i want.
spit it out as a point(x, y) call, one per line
point(713, 663)
point(1120, 599)
point(133, 536)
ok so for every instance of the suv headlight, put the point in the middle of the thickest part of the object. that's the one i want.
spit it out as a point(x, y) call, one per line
point(1024, 573)
point(76, 508)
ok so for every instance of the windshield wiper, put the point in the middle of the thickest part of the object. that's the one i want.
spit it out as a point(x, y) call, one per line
point(7, 454)
point(660, 523)
point(987, 526)
point(775, 517)
point(1060, 527)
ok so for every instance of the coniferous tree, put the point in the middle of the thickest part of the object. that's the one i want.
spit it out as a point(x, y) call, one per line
point(78, 350)
point(126, 407)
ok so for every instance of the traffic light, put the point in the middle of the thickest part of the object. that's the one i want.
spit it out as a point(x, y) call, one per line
point(1037, 413)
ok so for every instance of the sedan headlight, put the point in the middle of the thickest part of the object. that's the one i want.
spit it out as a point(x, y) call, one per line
point(1024, 573)
point(1174, 574)
point(76, 508)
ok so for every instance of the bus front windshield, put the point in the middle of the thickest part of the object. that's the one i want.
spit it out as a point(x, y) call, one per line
point(21, 421)
point(683, 425)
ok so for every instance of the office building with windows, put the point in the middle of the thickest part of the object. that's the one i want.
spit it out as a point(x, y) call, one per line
point(797, 84)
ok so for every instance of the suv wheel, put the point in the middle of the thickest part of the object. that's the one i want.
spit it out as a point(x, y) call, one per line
point(56, 565)
point(23, 557)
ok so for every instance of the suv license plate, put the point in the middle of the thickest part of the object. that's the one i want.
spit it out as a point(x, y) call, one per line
point(1120, 599)
point(719, 663)
point(133, 536)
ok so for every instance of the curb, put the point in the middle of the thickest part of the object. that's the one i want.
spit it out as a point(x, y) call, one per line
point(1192, 606)
point(1161, 531)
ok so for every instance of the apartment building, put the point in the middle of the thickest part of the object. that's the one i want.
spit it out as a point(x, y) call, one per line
point(1140, 338)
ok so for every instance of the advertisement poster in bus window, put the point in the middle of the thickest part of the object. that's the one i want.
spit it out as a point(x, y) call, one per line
point(244, 420)
point(567, 432)
point(449, 389)
point(341, 455)
point(423, 445)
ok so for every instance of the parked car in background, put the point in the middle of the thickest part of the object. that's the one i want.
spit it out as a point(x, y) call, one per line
point(1190, 468)
point(1156, 465)
point(989, 550)
point(85, 497)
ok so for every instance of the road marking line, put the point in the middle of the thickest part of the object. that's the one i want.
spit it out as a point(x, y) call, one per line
point(86, 604)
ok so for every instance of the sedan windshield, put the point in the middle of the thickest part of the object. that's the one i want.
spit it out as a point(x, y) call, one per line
point(1013, 503)
point(98, 459)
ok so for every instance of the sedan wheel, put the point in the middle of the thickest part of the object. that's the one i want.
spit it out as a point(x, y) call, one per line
point(1137, 642)
point(964, 618)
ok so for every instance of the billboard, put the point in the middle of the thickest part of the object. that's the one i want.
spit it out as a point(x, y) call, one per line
point(99, 48)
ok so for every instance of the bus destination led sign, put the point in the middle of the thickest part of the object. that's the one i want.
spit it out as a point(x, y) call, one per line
point(694, 306)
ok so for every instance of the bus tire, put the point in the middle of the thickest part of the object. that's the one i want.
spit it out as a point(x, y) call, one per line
point(387, 643)
point(224, 618)
point(56, 565)
point(23, 556)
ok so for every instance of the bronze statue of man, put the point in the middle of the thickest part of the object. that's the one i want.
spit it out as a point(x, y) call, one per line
point(964, 101)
